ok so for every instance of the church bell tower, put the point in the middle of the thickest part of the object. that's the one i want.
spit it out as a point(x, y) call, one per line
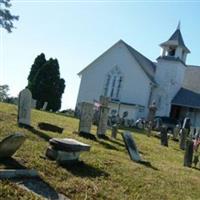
point(174, 47)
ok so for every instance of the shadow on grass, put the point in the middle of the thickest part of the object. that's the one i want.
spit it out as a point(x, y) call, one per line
point(82, 169)
point(107, 145)
point(11, 163)
point(114, 141)
point(39, 133)
point(147, 164)
point(198, 169)
point(39, 187)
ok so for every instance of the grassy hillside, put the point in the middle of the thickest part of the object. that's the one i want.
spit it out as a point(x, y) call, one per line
point(106, 171)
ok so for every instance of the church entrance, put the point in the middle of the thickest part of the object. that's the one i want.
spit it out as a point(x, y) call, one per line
point(175, 112)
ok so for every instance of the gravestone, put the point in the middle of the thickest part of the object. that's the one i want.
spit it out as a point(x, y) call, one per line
point(64, 150)
point(86, 117)
point(33, 103)
point(45, 105)
point(10, 144)
point(183, 136)
point(176, 133)
point(103, 117)
point(150, 118)
point(163, 136)
point(132, 148)
point(114, 131)
point(184, 132)
point(188, 153)
point(24, 107)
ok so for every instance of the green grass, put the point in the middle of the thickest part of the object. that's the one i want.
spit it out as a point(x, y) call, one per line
point(107, 171)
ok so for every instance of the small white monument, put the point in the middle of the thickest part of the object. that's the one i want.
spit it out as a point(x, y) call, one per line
point(24, 107)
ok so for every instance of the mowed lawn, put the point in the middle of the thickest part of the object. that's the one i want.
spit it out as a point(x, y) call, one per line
point(106, 171)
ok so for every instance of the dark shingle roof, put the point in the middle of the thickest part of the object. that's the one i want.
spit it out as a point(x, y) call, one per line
point(187, 98)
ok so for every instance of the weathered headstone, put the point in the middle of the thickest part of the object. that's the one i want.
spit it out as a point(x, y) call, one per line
point(150, 118)
point(103, 118)
point(183, 136)
point(196, 150)
point(86, 117)
point(64, 150)
point(188, 153)
point(184, 133)
point(132, 149)
point(45, 105)
point(24, 107)
point(33, 103)
point(114, 130)
point(131, 146)
point(176, 133)
point(163, 136)
point(10, 144)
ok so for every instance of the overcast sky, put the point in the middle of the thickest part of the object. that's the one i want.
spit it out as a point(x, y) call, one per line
point(77, 32)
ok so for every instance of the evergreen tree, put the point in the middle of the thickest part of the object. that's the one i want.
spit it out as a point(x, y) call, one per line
point(38, 63)
point(6, 18)
point(45, 83)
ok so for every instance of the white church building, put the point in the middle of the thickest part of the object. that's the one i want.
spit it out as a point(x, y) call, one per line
point(132, 81)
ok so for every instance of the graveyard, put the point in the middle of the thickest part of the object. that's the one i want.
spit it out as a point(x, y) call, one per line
point(104, 172)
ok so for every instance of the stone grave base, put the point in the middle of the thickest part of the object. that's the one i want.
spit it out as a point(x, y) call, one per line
point(62, 156)
point(65, 150)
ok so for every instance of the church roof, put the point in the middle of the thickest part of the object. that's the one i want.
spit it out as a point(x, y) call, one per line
point(147, 65)
point(176, 39)
point(191, 78)
point(187, 98)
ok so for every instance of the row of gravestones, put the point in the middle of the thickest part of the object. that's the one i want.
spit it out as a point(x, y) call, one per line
point(186, 142)
point(86, 116)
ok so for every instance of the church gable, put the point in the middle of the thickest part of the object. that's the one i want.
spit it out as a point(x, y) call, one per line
point(118, 73)
point(146, 65)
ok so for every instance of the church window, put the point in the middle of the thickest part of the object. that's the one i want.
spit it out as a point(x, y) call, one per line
point(113, 84)
point(107, 85)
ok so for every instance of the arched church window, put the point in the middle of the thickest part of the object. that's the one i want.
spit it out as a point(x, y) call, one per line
point(113, 84)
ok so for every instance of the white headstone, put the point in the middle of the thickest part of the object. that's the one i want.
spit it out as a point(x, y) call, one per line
point(86, 117)
point(24, 107)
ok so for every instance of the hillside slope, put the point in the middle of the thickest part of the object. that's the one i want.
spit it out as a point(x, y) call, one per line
point(106, 171)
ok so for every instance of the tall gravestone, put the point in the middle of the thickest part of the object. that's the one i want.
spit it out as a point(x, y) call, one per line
point(163, 136)
point(103, 116)
point(184, 133)
point(151, 115)
point(188, 153)
point(24, 107)
point(86, 116)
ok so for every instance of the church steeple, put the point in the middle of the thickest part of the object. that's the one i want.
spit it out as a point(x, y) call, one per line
point(175, 47)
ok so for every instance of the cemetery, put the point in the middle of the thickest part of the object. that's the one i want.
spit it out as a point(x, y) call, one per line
point(117, 164)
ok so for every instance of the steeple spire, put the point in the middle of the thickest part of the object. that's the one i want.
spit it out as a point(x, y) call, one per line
point(175, 47)
point(179, 25)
